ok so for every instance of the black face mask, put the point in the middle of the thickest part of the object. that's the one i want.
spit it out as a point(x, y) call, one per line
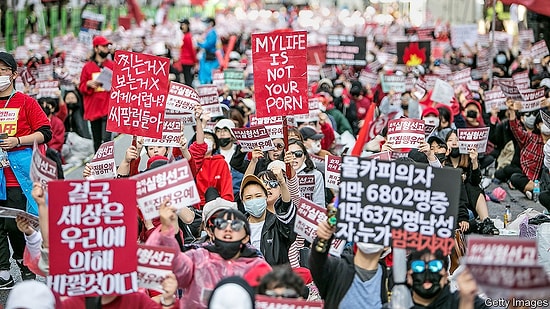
point(426, 276)
point(72, 106)
point(103, 54)
point(471, 114)
point(405, 107)
point(441, 157)
point(455, 153)
point(224, 141)
point(47, 110)
point(227, 249)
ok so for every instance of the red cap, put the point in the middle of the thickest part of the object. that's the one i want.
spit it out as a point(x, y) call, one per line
point(162, 160)
point(430, 110)
point(100, 41)
point(255, 275)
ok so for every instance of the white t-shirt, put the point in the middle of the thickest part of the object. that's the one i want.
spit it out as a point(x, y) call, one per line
point(256, 234)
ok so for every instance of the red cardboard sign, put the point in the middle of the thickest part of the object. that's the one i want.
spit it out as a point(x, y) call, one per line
point(138, 94)
point(280, 73)
point(93, 231)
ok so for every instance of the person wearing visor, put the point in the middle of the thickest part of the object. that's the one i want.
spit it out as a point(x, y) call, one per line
point(427, 276)
point(199, 270)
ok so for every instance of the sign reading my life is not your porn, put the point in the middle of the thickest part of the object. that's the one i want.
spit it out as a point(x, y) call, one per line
point(403, 205)
point(280, 73)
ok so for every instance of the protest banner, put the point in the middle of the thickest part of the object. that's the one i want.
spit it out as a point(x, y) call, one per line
point(392, 82)
point(413, 53)
point(522, 80)
point(422, 34)
point(172, 129)
point(181, 98)
point(208, 96)
point(103, 165)
point(531, 99)
point(461, 77)
point(234, 79)
point(273, 125)
point(545, 117)
point(507, 268)
point(507, 87)
point(218, 79)
point(252, 137)
point(8, 212)
point(280, 73)
point(464, 34)
point(307, 186)
point(443, 71)
point(153, 265)
point(496, 99)
point(47, 89)
point(173, 181)
point(420, 88)
point(93, 231)
point(332, 172)
point(266, 302)
point(403, 205)
point(313, 73)
point(443, 92)
point(187, 119)
point(308, 216)
point(374, 67)
point(138, 94)
point(428, 130)
point(405, 133)
point(43, 169)
point(346, 49)
point(473, 138)
point(539, 50)
point(473, 85)
point(369, 79)
point(45, 72)
point(430, 80)
point(90, 26)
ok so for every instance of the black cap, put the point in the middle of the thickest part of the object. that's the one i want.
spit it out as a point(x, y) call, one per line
point(310, 133)
point(417, 156)
point(9, 60)
point(437, 139)
point(184, 21)
point(209, 20)
point(211, 194)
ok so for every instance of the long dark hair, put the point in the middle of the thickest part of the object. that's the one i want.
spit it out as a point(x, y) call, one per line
point(310, 166)
point(464, 159)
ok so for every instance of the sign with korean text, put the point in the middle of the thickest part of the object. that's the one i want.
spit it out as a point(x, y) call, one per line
point(405, 133)
point(266, 302)
point(368, 78)
point(47, 88)
point(539, 50)
point(308, 216)
point(473, 138)
point(443, 92)
point(103, 164)
point(43, 169)
point(394, 83)
point(464, 34)
point(154, 264)
point(313, 114)
point(508, 268)
point(495, 99)
point(346, 49)
point(173, 181)
point(273, 125)
point(187, 119)
point(8, 212)
point(171, 132)
point(252, 137)
point(93, 231)
point(332, 171)
point(208, 96)
point(218, 79)
point(428, 130)
point(182, 98)
point(508, 88)
point(138, 94)
point(461, 77)
point(545, 117)
point(307, 186)
point(8, 120)
point(521, 80)
point(409, 206)
point(234, 79)
point(532, 99)
point(280, 73)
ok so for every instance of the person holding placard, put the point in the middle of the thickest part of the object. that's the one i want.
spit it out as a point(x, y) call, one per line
point(222, 129)
point(303, 165)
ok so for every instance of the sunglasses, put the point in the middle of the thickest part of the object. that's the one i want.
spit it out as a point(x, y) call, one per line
point(297, 153)
point(271, 183)
point(221, 224)
point(287, 293)
point(419, 266)
point(529, 114)
point(280, 146)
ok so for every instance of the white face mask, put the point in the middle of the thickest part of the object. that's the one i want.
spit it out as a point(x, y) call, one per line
point(337, 92)
point(209, 145)
point(530, 121)
point(315, 147)
point(544, 129)
point(368, 248)
point(434, 121)
point(5, 82)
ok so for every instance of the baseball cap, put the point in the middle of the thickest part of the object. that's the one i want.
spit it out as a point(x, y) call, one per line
point(184, 21)
point(430, 110)
point(225, 123)
point(100, 41)
point(156, 161)
point(8, 59)
point(310, 133)
point(251, 178)
point(436, 139)
point(214, 206)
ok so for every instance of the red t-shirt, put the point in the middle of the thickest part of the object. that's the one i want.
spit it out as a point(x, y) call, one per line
point(96, 101)
point(135, 301)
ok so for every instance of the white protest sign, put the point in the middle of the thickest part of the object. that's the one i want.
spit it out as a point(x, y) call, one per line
point(539, 50)
point(8, 212)
point(405, 133)
point(273, 125)
point(208, 95)
point(532, 99)
point(473, 138)
point(182, 98)
point(461, 77)
point(172, 129)
point(154, 264)
point(252, 137)
point(332, 172)
point(307, 186)
point(43, 169)
point(461, 34)
point(392, 82)
point(103, 164)
point(308, 216)
point(495, 98)
point(443, 92)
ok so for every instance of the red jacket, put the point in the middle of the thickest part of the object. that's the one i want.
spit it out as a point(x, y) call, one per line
point(188, 54)
point(58, 134)
point(96, 101)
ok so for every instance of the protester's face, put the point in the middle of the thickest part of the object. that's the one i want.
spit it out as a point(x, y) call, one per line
point(472, 112)
point(282, 292)
point(299, 156)
point(227, 233)
point(424, 282)
point(452, 141)
point(436, 148)
point(223, 133)
point(276, 153)
point(273, 189)
point(71, 98)
point(157, 151)
point(253, 191)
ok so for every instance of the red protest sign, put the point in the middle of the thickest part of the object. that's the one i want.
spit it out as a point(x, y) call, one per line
point(138, 94)
point(173, 180)
point(103, 163)
point(280, 73)
point(266, 302)
point(154, 263)
point(93, 231)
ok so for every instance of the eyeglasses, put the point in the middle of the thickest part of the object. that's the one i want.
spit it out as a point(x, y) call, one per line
point(280, 146)
point(297, 153)
point(221, 224)
point(287, 293)
point(271, 183)
point(5, 70)
point(419, 266)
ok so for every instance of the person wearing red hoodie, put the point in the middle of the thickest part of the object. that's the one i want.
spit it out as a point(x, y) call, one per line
point(96, 98)
point(188, 53)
